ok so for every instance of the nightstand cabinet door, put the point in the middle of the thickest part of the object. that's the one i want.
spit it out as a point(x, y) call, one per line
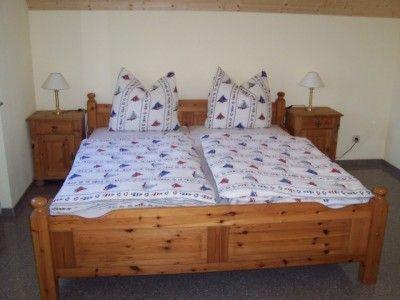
point(57, 155)
point(322, 139)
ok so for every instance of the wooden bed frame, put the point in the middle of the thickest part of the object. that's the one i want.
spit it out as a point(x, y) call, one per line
point(145, 241)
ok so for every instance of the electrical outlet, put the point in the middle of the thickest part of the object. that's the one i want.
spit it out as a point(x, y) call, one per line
point(356, 138)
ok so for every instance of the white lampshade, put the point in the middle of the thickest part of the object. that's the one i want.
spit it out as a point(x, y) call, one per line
point(312, 80)
point(55, 81)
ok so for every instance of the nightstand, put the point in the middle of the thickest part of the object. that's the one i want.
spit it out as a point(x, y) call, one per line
point(55, 141)
point(320, 126)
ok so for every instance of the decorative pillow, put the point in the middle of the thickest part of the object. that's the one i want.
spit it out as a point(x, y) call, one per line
point(233, 106)
point(137, 109)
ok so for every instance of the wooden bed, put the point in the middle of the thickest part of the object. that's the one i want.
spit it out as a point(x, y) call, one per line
point(203, 239)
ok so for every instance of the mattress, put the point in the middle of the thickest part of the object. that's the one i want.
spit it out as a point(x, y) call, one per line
point(126, 170)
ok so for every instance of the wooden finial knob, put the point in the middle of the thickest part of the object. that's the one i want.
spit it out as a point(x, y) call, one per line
point(91, 96)
point(39, 203)
point(281, 95)
point(380, 191)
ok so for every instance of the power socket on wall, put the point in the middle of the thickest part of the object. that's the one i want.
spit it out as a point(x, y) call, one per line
point(356, 139)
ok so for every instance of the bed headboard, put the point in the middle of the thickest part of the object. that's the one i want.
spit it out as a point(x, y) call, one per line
point(190, 112)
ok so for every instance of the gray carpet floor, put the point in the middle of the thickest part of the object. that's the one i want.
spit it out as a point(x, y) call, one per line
point(18, 278)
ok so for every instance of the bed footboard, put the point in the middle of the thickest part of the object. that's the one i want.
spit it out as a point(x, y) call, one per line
point(202, 239)
point(41, 239)
point(369, 266)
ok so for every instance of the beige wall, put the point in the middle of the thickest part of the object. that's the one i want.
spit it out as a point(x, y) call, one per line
point(355, 57)
point(5, 194)
point(17, 93)
point(392, 154)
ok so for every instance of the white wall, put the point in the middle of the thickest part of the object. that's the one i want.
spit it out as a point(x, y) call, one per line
point(355, 57)
point(5, 194)
point(392, 154)
point(17, 93)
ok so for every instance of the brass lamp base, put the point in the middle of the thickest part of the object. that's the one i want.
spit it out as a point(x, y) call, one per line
point(58, 111)
point(310, 100)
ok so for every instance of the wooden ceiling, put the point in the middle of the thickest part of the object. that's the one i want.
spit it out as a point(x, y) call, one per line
point(367, 8)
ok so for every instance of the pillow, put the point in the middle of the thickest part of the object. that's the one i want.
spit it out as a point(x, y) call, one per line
point(233, 106)
point(137, 109)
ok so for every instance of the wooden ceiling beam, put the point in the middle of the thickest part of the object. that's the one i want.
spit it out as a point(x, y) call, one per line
point(366, 8)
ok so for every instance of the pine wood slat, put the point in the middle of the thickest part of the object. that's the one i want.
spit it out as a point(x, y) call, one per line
point(209, 267)
point(210, 216)
point(368, 8)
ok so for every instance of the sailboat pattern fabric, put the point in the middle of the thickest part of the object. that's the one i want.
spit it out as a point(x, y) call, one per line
point(138, 109)
point(244, 106)
point(161, 169)
point(261, 168)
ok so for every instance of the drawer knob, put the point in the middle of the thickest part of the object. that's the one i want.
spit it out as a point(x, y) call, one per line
point(54, 128)
point(318, 123)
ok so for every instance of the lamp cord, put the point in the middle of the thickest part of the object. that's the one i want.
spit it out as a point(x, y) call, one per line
point(348, 150)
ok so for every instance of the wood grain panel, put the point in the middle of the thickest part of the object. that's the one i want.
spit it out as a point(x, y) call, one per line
point(54, 127)
point(105, 248)
point(369, 8)
point(56, 155)
point(192, 112)
point(217, 244)
point(63, 245)
point(359, 236)
point(267, 241)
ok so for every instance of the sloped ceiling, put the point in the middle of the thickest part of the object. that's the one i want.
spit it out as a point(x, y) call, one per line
point(368, 8)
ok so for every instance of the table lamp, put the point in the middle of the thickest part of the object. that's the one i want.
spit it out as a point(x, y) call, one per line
point(312, 80)
point(56, 82)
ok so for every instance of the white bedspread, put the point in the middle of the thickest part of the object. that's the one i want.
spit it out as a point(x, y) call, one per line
point(269, 168)
point(159, 169)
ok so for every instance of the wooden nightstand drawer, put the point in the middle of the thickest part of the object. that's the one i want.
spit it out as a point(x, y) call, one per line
point(318, 122)
point(54, 127)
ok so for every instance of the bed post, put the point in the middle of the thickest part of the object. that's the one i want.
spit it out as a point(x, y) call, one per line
point(280, 110)
point(368, 271)
point(91, 112)
point(42, 248)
